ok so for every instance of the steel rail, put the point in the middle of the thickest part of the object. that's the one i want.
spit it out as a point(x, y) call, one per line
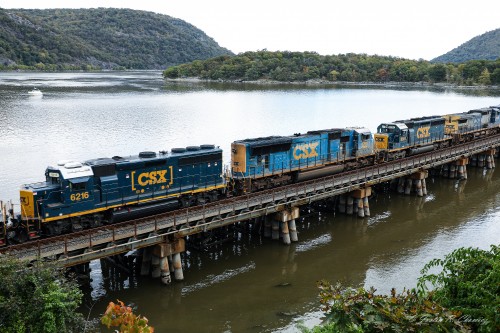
point(110, 240)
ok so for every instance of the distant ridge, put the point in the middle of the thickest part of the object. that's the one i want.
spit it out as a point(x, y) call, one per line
point(104, 38)
point(483, 47)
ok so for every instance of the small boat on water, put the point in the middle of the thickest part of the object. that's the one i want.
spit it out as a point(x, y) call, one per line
point(35, 92)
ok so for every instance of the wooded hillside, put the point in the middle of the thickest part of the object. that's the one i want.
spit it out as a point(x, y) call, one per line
point(304, 66)
point(56, 39)
point(483, 47)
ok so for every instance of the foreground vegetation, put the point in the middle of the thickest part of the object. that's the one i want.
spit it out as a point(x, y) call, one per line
point(463, 297)
point(43, 298)
point(460, 293)
point(305, 66)
point(37, 299)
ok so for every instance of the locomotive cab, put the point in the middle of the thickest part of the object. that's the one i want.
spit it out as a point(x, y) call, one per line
point(67, 190)
point(391, 136)
point(362, 142)
point(74, 183)
point(495, 115)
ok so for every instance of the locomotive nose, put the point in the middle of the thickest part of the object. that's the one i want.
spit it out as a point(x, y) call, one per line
point(27, 204)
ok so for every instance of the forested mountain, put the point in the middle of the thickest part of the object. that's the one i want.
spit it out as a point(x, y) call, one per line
point(483, 47)
point(55, 39)
point(306, 66)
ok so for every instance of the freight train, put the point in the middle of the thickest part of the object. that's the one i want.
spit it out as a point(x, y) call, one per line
point(76, 196)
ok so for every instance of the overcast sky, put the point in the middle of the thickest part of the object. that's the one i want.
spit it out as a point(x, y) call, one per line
point(409, 29)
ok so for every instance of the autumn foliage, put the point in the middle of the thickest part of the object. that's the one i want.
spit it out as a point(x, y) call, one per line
point(121, 316)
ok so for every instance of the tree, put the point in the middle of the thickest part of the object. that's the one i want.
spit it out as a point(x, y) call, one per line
point(120, 315)
point(495, 76)
point(37, 299)
point(466, 298)
point(484, 78)
point(437, 73)
point(468, 282)
point(361, 310)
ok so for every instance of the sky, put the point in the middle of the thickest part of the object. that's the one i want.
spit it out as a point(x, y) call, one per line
point(421, 29)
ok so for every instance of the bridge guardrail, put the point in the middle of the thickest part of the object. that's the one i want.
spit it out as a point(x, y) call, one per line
point(109, 240)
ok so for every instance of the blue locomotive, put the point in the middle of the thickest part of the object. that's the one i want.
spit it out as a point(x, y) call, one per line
point(408, 137)
point(262, 163)
point(76, 196)
point(419, 135)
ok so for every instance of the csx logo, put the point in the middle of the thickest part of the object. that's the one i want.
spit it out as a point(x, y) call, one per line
point(423, 132)
point(305, 150)
point(25, 201)
point(151, 178)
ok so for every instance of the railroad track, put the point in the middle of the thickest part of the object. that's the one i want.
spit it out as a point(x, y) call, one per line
point(84, 246)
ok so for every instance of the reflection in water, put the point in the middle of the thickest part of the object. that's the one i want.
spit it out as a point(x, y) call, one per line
point(252, 284)
point(247, 283)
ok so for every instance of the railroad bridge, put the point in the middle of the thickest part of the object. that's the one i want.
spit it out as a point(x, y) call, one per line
point(161, 238)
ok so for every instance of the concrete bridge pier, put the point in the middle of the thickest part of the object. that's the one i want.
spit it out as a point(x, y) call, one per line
point(257, 225)
point(408, 186)
point(490, 158)
point(415, 183)
point(178, 273)
point(160, 255)
point(419, 182)
point(480, 160)
point(275, 234)
point(342, 203)
point(292, 227)
point(361, 196)
point(445, 171)
point(349, 207)
point(424, 187)
point(146, 261)
point(462, 168)
point(366, 206)
point(267, 226)
point(286, 218)
point(473, 160)
point(401, 185)
point(453, 171)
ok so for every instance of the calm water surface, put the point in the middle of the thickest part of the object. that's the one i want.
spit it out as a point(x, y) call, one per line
point(253, 284)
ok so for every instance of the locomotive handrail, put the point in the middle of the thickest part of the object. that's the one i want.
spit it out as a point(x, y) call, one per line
point(125, 236)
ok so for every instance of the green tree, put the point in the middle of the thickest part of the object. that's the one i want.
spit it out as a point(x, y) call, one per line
point(437, 73)
point(361, 310)
point(484, 78)
point(495, 76)
point(468, 282)
point(37, 299)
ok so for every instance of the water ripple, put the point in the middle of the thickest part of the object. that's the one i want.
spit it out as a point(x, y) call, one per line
point(212, 279)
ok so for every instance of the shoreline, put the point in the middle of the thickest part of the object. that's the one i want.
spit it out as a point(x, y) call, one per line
point(265, 82)
point(268, 82)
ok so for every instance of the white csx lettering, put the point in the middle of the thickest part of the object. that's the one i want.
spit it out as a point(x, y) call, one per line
point(306, 150)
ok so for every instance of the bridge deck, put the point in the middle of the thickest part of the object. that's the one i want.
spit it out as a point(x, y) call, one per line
point(110, 240)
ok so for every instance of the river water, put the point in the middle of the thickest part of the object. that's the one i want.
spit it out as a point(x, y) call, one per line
point(250, 284)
